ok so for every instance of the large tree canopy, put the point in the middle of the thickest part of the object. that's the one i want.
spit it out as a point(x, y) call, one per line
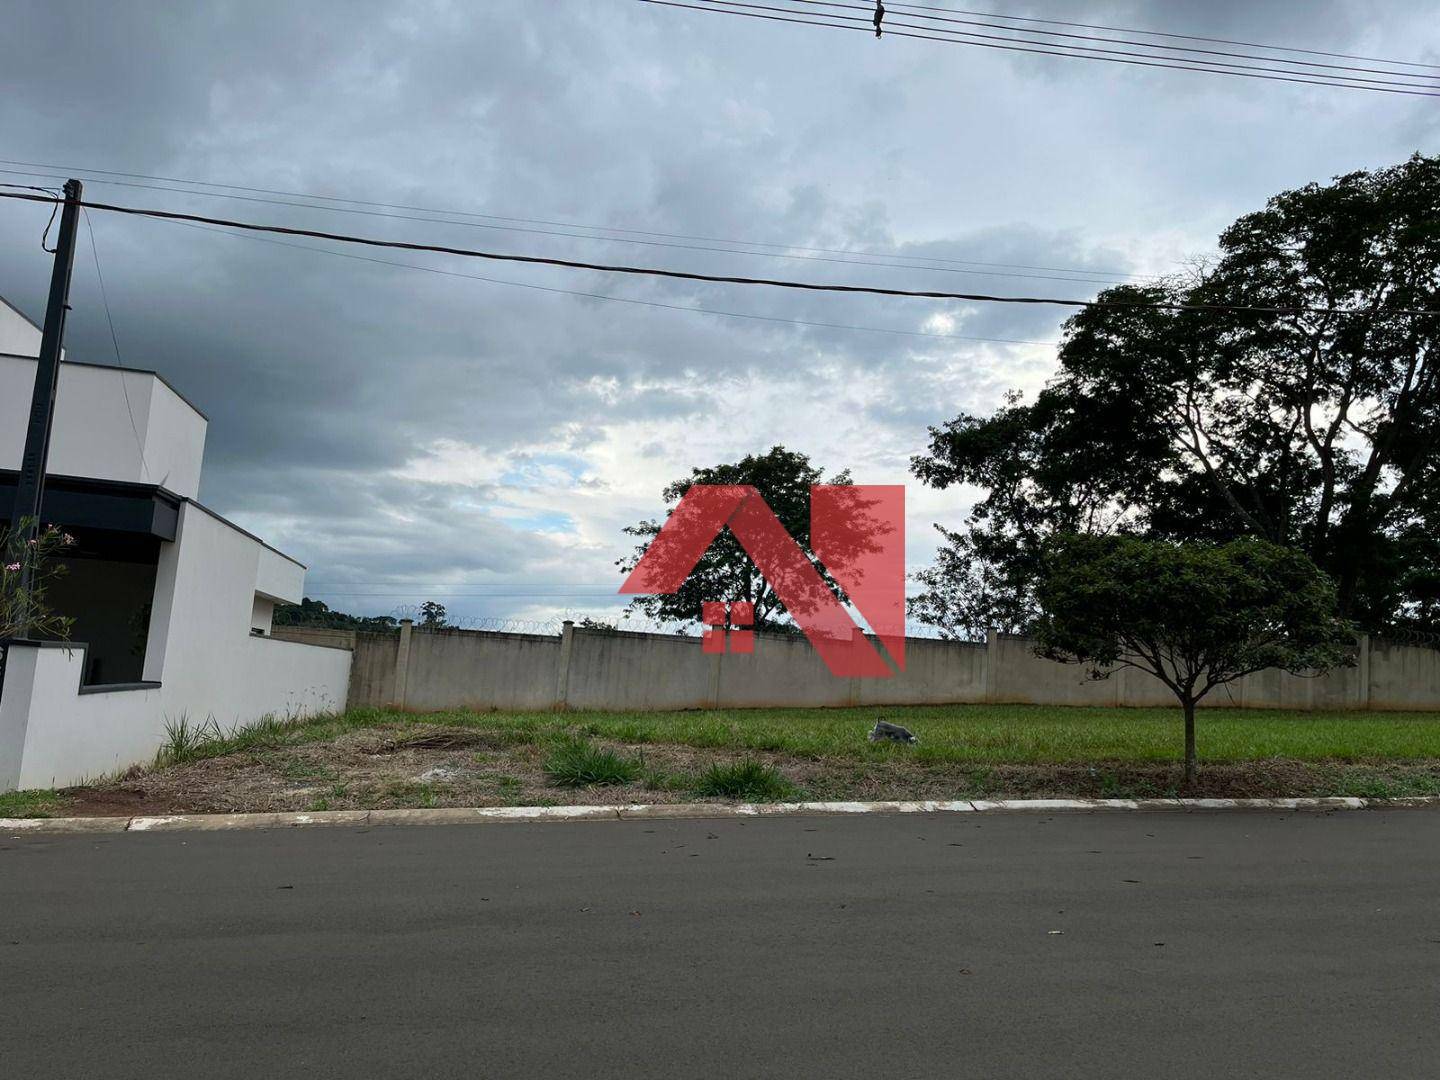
point(725, 572)
point(1317, 430)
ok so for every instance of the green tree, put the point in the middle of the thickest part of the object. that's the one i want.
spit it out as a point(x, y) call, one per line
point(433, 615)
point(317, 613)
point(24, 610)
point(725, 572)
point(1319, 431)
point(1196, 615)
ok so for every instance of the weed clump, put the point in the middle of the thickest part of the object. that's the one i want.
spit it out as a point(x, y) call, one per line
point(575, 762)
point(753, 780)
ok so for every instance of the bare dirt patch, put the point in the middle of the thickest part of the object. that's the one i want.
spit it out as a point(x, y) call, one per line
point(434, 766)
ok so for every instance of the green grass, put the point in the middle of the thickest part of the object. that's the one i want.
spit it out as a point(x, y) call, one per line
point(295, 769)
point(1362, 754)
point(413, 793)
point(993, 734)
point(38, 802)
point(186, 740)
point(576, 763)
point(752, 780)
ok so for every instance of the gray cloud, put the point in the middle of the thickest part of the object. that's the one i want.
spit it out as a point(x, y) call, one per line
point(393, 425)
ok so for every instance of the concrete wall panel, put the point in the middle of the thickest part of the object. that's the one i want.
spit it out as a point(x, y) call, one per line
point(459, 668)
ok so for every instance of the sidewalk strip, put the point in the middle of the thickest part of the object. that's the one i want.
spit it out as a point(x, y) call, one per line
point(653, 811)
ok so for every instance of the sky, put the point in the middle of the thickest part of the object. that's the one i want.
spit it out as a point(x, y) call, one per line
point(411, 432)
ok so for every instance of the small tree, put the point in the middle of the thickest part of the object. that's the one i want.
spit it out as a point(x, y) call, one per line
point(433, 615)
point(1196, 616)
point(24, 611)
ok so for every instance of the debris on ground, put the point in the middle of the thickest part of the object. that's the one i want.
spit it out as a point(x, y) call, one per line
point(884, 731)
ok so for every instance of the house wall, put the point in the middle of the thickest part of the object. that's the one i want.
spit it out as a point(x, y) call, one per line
point(587, 669)
point(211, 587)
point(206, 666)
point(110, 424)
point(174, 441)
point(52, 735)
point(18, 334)
point(208, 662)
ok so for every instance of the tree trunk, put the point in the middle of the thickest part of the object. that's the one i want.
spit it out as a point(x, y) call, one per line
point(1192, 763)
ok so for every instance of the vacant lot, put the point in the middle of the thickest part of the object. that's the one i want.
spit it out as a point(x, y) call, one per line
point(373, 758)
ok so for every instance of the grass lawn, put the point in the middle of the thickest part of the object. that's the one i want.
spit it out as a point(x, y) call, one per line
point(1005, 734)
point(370, 758)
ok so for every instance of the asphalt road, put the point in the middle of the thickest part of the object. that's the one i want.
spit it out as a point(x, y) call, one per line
point(958, 945)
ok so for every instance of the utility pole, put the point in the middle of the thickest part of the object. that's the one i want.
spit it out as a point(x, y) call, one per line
point(30, 489)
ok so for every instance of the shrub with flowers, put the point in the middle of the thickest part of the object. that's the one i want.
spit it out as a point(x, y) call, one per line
point(23, 608)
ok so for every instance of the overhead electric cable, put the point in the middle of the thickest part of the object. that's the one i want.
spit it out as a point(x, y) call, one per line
point(1131, 41)
point(1217, 67)
point(1046, 48)
point(722, 279)
point(609, 298)
point(1071, 275)
point(1165, 34)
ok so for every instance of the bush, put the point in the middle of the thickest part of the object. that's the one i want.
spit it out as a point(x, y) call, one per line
point(753, 780)
point(576, 763)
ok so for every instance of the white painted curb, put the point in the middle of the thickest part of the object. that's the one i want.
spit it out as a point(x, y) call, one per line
point(653, 811)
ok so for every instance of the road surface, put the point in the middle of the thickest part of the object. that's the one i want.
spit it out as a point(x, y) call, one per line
point(951, 945)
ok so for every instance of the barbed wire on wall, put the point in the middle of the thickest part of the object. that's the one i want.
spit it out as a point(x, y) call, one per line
point(1404, 636)
point(612, 621)
point(615, 622)
point(476, 622)
point(622, 622)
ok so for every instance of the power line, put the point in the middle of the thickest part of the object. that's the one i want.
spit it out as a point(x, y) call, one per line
point(1152, 59)
point(1131, 41)
point(612, 299)
point(721, 279)
point(918, 263)
point(1161, 33)
point(1045, 49)
point(65, 171)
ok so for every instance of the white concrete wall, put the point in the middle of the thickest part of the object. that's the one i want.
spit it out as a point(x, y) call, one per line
point(54, 735)
point(209, 666)
point(158, 439)
point(209, 663)
point(278, 578)
point(174, 441)
point(18, 334)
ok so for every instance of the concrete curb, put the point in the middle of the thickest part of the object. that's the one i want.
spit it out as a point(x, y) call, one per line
point(656, 811)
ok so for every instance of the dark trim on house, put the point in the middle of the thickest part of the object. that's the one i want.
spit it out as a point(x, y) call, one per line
point(118, 688)
point(78, 502)
point(84, 648)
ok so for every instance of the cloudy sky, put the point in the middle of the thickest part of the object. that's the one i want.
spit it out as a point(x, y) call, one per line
point(412, 432)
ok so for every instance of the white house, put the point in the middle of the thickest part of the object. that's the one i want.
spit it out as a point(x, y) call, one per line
point(172, 603)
